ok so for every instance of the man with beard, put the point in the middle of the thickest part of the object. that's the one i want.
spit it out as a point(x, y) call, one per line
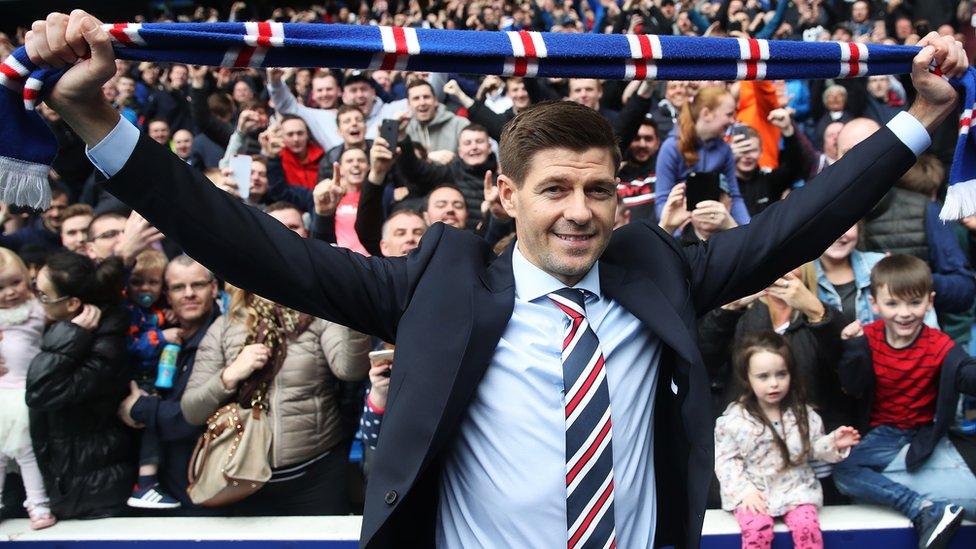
point(636, 187)
point(431, 124)
point(74, 227)
point(191, 290)
point(42, 230)
point(480, 113)
point(466, 171)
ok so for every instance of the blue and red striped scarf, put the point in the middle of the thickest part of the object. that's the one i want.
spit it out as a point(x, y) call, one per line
point(27, 147)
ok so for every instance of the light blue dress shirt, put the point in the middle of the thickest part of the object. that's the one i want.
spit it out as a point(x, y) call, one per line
point(504, 479)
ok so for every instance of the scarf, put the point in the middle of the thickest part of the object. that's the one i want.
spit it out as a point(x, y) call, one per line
point(27, 147)
point(271, 326)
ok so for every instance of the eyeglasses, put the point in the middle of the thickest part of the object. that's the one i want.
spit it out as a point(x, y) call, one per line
point(44, 298)
point(106, 235)
point(197, 286)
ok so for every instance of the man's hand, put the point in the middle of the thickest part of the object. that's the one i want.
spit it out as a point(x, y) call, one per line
point(88, 318)
point(492, 204)
point(198, 76)
point(247, 121)
point(741, 145)
point(380, 160)
point(781, 119)
point(936, 98)
point(329, 192)
point(743, 302)
point(271, 142)
point(76, 40)
point(251, 359)
point(137, 236)
point(125, 407)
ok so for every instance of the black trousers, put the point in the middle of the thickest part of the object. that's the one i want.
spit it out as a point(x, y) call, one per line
point(320, 491)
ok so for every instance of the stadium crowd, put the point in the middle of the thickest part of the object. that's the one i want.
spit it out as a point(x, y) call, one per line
point(870, 343)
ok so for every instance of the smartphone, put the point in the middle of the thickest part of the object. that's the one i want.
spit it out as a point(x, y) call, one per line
point(380, 356)
point(739, 129)
point(701, 186)
point(390, 131)
point(240, 167)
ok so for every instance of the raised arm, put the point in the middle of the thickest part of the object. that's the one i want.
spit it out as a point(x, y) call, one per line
point(241, 244)
point(794, 231)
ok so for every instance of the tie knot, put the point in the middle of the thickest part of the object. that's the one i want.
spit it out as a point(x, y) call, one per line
point(570, 299)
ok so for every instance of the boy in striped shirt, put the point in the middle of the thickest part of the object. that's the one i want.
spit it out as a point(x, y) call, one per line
point(907, 378)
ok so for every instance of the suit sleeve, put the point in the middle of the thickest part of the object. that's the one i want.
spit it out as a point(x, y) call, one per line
point(796, 230)
point(254, 251)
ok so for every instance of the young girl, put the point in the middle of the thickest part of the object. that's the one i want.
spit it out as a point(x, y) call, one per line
point(697, 144)
point(75, 384)
point(21, 326)
point(763, 443)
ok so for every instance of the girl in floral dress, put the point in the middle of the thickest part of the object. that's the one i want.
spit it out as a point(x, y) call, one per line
point(763, 443)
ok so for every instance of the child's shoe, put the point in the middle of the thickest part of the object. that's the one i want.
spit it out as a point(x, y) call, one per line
point(936, 525)
point(152, 497)
point(40, 517)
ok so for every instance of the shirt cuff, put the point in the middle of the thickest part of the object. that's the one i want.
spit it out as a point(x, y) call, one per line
point(911, 132)
point(112, 152)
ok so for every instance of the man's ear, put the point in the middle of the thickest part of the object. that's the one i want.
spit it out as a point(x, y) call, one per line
point(73, 305)
point(508, 194)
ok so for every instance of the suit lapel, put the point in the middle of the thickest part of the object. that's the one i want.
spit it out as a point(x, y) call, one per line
point(645, 300)
point(492, 303)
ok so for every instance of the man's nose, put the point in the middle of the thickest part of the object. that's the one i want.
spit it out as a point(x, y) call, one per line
point(577, 210)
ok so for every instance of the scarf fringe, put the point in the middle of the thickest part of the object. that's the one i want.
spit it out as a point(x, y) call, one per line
point(24, 183)
point(960, 201)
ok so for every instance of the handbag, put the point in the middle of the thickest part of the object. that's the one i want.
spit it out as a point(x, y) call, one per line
point(231, 458)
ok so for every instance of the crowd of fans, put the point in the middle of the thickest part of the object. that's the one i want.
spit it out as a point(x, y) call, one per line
point(91, 294)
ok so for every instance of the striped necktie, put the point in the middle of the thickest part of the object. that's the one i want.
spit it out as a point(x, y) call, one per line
point(589, 454)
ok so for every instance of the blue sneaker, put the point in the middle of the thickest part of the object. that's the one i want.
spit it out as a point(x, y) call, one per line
point(152, 498)
point(936, 525)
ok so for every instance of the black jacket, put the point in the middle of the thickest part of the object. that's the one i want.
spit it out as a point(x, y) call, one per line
point(455, 285)
point(74, 387)
point(957, 375)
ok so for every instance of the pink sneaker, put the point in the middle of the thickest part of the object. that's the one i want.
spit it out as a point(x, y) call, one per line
point(40, 517)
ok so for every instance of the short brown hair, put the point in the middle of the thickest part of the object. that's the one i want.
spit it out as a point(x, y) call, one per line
point(925, 176)
point(76, 210)
point(905, 276)
point(553, 125)
point(343, 109)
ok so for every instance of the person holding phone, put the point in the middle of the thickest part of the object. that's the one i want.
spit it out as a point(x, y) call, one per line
point(380, 368)
point(697, 145)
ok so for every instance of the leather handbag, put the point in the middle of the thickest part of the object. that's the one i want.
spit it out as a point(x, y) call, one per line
point(231, 458)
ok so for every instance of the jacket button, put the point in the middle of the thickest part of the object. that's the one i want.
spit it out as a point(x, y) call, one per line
point(390, 497)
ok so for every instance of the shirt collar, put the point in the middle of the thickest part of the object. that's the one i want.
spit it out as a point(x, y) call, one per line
point(531, 282)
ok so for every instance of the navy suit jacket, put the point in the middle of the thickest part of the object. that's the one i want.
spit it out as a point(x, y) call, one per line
point(448, 302)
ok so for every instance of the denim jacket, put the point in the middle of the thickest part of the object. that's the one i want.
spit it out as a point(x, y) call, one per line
point(862, 263)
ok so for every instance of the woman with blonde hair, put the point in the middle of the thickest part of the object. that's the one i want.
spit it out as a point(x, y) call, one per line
point(296, 360)
point(697, 145)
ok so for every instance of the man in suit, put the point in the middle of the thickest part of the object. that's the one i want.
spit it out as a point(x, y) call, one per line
point(480, 445)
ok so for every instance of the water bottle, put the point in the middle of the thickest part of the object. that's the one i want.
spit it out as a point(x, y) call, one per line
point(167, 366)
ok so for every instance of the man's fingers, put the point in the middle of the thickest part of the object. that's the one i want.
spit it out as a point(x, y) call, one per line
point(41, 48)
point(76, 41)
point(102, 56)
point(57, 25)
